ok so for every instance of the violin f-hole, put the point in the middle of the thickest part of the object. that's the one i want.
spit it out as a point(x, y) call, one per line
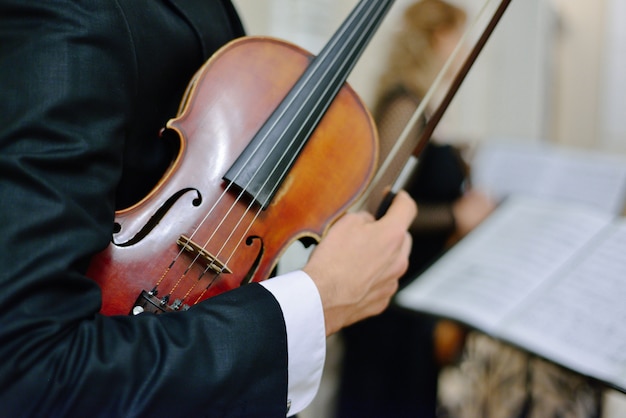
point(257, 261)
point(157, 217)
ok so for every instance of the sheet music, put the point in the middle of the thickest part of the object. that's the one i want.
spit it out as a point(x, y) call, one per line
point(587, 177)
point(491, 271)
point(578, 319)
point(546, 273)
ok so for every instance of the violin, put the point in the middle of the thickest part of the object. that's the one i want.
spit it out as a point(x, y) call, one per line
point(274, 147)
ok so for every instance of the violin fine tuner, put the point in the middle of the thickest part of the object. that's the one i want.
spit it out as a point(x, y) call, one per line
point(149, 302)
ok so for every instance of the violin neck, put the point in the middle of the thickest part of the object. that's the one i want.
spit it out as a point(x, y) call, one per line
point(341, 53)
point(260, 169)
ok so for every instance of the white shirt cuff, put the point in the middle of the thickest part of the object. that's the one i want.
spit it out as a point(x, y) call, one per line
point(302, 309)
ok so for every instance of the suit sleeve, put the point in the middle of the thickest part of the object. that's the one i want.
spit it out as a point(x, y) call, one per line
point(67, 90)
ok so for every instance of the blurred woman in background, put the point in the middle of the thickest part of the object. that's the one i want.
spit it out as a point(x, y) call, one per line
point(391, 362)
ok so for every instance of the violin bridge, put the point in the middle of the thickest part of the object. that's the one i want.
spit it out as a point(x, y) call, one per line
point(211, 261)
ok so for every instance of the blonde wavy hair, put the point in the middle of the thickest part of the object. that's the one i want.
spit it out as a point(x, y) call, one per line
point(413, 61)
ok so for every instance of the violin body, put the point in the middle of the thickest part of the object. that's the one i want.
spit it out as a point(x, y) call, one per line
point(194, 235)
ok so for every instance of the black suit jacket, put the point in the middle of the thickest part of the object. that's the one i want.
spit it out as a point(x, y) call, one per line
point(85, 87)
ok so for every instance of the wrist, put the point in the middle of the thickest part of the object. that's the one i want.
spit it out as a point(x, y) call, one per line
point(327, 291)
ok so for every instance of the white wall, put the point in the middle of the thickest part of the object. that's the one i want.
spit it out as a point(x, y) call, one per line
point(612, 131)
point(578, 72)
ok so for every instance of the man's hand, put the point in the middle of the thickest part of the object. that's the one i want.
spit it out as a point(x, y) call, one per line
point(357, 265)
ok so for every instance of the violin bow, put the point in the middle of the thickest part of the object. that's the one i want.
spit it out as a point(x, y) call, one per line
point(434, 120)
point(460, 77)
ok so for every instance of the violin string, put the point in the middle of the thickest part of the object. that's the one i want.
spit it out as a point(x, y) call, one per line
point(240, 196)
point(294, 156)
point(419, 112)
point(264, 185)
point(258, 211)
point(248, 209)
